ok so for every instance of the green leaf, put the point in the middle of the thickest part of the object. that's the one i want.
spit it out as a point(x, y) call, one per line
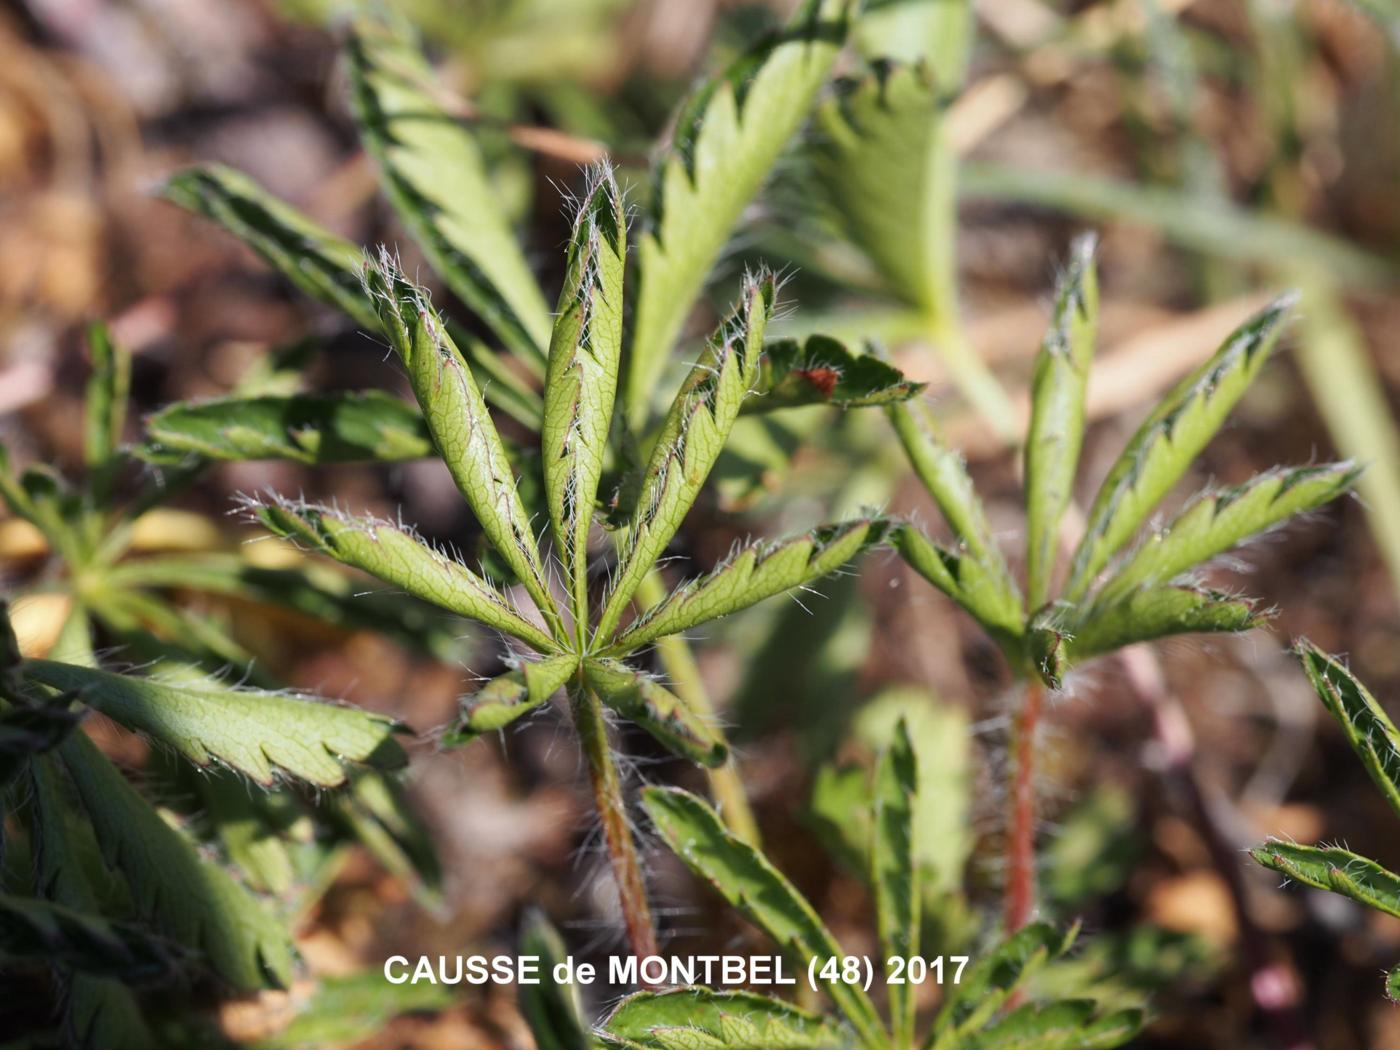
point(435, 176)
point(751, 574)
point(892, 860)
point(108, 389)
point(885, 164)
point(696, 1018)
point(1155, 612)
point(965, 579)
point(657, 710)
point(343, 1009)
point(819, 370)
point(1334, 869)
point(327, 268)
point(252, 731)
point(1368, 728)
point(1214, 522)
point(581, 385)
point(945, 476)
point(746, 879)
point(400, 558)
point(551, 1009)
point(196, 904)
point(378, 813)
point(32, 730)
point(940, 32)
point(1068, 1024)
point(1169, 440)
point(506, 697)
point(248, 838)
point(1056, 432)
point(727, 138)
point(98, 1011)
point(306, 428)
point(993, 978)
point(320, 264)
point(35, 930)
point(689, 441)
point(460, 424)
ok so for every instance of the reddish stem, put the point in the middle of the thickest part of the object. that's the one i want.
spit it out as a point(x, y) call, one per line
point(617, 832)
point(1020, 866)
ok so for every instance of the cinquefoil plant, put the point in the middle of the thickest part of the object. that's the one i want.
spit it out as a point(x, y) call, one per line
point(1108, 600)
point(1374, 738)
point(727, 139)
point(983, 1007)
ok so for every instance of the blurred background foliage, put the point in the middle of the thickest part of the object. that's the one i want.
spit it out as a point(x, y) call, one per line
point(1223, 148)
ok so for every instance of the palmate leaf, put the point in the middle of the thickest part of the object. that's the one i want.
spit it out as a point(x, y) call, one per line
point(399, 558)
point(1169, 440)
point(993, 978)
point(967, 580)
point(435, 176)
point(305, 428)
point(727, 138)
point(656, 709)
point(746, 879)
point(194, 903)
point(819, 370)
point(324, 266)
point(945, 476)
point(40, 931)
point(1368, 728)
point(1215, 522)
point(700, 1019)
point(1156, 612)
point(551, 1009)
point(891, 177)
point(253, 732)
point(461, 427)
point(1056, 432)
point(1335, 869)
point(689, 441)
point(751, 574)
point(893, 874)
point(581, 385)
point(506, 697)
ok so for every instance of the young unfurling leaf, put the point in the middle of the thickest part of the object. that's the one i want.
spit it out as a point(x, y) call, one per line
point(691, 1017)
point(581, 384)
point(820, 370)
point(689, 441)
point(1156, 612)
point(1172, 436)
point(1214, 522)
point(753, 573)
point(893, 873)
point(436, 179)
point(746, 879)
point(727, 138)
point(306, 428)
point(398, 557)
point(460, 424)
point(254, 732)
point(1368, 728)
point(657, 710)
point(1057, 416)
point(506, 697)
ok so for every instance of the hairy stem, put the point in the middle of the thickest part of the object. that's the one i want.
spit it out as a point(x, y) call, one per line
point(612, 809)
point(726, 785)
point(1019, 894)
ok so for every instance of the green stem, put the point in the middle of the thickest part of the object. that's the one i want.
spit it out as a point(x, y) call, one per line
point(726, 785)
point(612, 810)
